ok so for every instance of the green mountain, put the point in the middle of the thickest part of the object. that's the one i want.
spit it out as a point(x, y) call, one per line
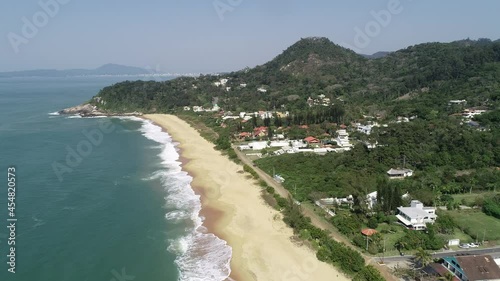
point(417, 80)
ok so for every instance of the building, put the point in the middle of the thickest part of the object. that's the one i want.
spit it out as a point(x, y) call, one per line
point(416, 216)
point(452, 102)
point(399, 173)
point(260, 132)
point(197, 108)
point(371, 200)
point(471, 112)
point(311, 140)
point(472, 268)
point(257, 145)
point(343, 139)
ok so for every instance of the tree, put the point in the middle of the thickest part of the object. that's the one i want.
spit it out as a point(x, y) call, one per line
point(400, 245)
point(269, 133)
point(422, 257)
point(222, 142)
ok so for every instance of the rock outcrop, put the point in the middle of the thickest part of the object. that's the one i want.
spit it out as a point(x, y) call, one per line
point(88, 110)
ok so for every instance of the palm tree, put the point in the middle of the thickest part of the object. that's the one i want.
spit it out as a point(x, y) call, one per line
point(400, 245)
point(423, 257)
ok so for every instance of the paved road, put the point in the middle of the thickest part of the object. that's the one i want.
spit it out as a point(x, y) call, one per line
point(316, 219)
point(493, 251)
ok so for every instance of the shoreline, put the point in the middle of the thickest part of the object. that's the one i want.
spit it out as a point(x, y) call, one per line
point(210, 214)
point(234, 211)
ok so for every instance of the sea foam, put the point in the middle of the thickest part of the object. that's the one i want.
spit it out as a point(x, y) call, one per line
point(201, 256)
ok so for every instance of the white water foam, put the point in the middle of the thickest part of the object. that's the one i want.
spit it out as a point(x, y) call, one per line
point(54, 113)
point(201, 256)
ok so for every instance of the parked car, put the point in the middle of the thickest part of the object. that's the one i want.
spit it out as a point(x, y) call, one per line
point(473, 245)
point(464, 246)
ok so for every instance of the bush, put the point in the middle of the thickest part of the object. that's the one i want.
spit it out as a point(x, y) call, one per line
point(270, 189)
point(372, 223)
point(491, 206)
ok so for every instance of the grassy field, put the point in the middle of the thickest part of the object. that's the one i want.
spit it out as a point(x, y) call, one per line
point(471, 197)
point(391, 234)
point(478, 223)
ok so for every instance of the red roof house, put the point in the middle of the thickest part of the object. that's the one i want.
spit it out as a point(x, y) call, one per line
point(311, 140)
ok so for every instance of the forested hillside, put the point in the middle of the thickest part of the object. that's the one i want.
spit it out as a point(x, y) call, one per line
point(417, 80)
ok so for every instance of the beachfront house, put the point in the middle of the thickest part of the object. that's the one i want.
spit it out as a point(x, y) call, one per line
point(399, 173)
point(416, 216)
point(468, 268)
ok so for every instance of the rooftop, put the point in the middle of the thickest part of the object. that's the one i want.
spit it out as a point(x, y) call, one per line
point(479, 267)
point(413, 212)
point(398, 171)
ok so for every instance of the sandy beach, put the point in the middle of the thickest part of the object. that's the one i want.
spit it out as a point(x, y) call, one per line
point(235, 211)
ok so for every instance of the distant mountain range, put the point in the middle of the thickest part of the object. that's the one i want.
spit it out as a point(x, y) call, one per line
point(376, 55)
point(107, 69)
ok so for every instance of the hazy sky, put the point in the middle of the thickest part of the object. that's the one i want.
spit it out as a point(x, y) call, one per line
point(195, 36)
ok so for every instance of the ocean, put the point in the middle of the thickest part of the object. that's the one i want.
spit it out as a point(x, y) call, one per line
point(97, 199)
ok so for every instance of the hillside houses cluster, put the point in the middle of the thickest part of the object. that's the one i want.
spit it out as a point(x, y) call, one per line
point(321, 100)
point(415, 217)
point(309, 144)
point(245, 116)
point(196, 108)
point(470, 113)
point(224, 83)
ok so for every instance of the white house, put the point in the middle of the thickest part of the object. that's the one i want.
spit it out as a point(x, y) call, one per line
point(234, 117)
point(343, 139)
point(276, 143)
point(371, 200)
point(457, 102)
point(244, 147)
point(197, 108)
point(470, 113)
point(262, 90)
point(257, 145)
point(416, 216)
point(399, 173)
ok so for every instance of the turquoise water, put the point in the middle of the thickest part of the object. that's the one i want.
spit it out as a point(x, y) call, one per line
point(98, 198)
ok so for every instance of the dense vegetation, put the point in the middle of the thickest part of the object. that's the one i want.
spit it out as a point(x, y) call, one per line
point(418, 80)
point(491, 206)
point(449, 159)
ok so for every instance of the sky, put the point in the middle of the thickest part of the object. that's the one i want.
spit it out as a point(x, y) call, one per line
point(222, 35)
